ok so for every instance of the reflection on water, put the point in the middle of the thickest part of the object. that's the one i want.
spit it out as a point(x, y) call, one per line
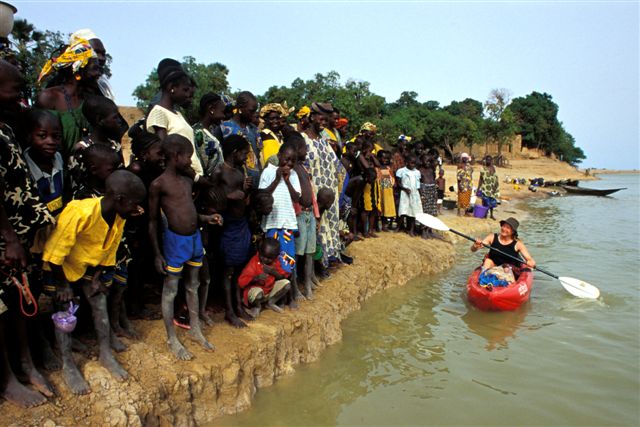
point(420, 355)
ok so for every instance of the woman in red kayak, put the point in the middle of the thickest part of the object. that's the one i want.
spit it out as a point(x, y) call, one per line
point(507, 241)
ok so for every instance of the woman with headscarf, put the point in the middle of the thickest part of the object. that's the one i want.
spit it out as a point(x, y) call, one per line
point(465, 183)
point(325, 169)
point(272, 115)
point(75, 73)
point(489, 185)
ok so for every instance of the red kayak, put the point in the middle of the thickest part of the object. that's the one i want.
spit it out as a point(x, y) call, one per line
point(500, 298)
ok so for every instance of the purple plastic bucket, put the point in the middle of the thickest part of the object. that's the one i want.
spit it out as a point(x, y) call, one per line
point(480, 211)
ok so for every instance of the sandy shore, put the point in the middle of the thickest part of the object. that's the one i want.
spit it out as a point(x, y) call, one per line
point(163, 391)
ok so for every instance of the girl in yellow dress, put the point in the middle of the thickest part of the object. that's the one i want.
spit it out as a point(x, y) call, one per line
point(386, 184)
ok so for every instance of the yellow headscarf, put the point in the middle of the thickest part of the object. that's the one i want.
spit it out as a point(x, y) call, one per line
point(281, 109)
point(76, 55)
point(368, 126)
point(303, 112)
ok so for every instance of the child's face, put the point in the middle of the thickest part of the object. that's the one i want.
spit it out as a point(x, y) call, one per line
point(129, 205)
point(287, 158)
point(302, 152)
point(46, 137)
point(240, 157)
point(268, 255)
point(114, 124)
point(385, 160)
point(183, 160)
point(351, 151)
point(102, 168)
point(154, 156)
point(411, 163)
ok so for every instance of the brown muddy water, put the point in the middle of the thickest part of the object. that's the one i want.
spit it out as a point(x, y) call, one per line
point(421, 355)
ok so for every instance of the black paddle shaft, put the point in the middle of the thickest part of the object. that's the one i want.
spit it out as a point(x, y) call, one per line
point(503, 253)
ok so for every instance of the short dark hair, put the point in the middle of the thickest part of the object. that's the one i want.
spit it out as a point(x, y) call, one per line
point(175, 144)
point(270, 243)
point(233, 143)
point(34, 117)
point(95, 107)
point(98, 153)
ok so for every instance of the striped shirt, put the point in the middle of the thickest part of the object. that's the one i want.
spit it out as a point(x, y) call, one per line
point(283, 215)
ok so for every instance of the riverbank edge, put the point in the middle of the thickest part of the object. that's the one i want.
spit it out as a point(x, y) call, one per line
point(164, 392)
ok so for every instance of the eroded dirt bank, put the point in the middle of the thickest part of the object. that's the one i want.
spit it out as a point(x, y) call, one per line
point(166, 392)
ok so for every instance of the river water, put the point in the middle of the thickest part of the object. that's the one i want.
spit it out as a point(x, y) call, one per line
point(421, 355)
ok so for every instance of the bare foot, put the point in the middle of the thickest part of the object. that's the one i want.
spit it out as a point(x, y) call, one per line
point(204, 316)
point(297, 295)
point(74, 380)
point(20, 395)
point(308, 293)
point(117, 345)
point(372, 234)
point(40, 383)
point(178, 350)
point(199, 338)
point(245, 315)
point(274, 307)
point(315, 283)
point(111, 364)
point(234, 321)
point(50, 361)
point(293, 305)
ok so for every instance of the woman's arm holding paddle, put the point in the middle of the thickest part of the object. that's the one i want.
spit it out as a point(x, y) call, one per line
point(480, 243)
point(520, 247)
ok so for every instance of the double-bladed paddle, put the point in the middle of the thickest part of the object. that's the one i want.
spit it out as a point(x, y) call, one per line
point(576, 287)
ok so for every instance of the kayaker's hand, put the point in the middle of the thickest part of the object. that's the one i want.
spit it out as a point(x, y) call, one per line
point(531, 263)
point(477, 245)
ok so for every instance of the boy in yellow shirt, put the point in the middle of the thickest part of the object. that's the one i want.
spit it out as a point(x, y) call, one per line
point(83, 243)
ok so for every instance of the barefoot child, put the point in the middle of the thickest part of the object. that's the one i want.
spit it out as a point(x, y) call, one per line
point(307, 210)
point(410, 204)
point(281, 224)
point(441, 183)
point(387, 183)
point(235, 241)
point(181, 242)
point(263, 281)
point(370, 203)
point(83, 243)
point(21, 215)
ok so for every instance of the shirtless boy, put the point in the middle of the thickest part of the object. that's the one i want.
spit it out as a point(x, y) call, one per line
point(235, 242)
point(182, 243)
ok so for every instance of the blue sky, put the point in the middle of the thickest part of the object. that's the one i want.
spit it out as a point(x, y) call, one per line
point(584, 53)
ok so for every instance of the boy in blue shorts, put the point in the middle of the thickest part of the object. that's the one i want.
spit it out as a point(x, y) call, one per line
point(181, 243)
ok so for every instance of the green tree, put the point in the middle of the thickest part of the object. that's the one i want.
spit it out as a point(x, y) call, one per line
point(444, 130)
point(500, 125)
point(208, 78)
point(33, 49)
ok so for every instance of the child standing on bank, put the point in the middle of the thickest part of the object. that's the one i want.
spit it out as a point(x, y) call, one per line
point(181, 243)
point(281, 224)
point(263, 281)
point(410, 204)
point(387, 183)
point(441, 184)
point(306, 212)
point(83, 243)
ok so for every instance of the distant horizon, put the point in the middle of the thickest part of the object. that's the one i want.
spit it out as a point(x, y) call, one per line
point(584, 54)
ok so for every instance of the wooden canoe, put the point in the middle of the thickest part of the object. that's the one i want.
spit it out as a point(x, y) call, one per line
point(590, 191)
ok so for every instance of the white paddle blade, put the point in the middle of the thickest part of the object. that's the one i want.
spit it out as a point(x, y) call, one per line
point(431, 222)
point(579, 288)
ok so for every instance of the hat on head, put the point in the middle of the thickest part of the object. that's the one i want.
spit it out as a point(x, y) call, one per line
point(303, 112)
point(368, 127)
point(465, 156)
point(321, 108)
point(404, 138)
point(513, 223)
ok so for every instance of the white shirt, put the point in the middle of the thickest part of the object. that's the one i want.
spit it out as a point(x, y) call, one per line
point(283, 215)
point(174, 123)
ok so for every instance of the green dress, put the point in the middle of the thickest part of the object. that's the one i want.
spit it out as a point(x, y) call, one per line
point(74, 127)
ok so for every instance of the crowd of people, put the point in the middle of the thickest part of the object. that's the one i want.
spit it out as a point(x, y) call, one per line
point(260, 200)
